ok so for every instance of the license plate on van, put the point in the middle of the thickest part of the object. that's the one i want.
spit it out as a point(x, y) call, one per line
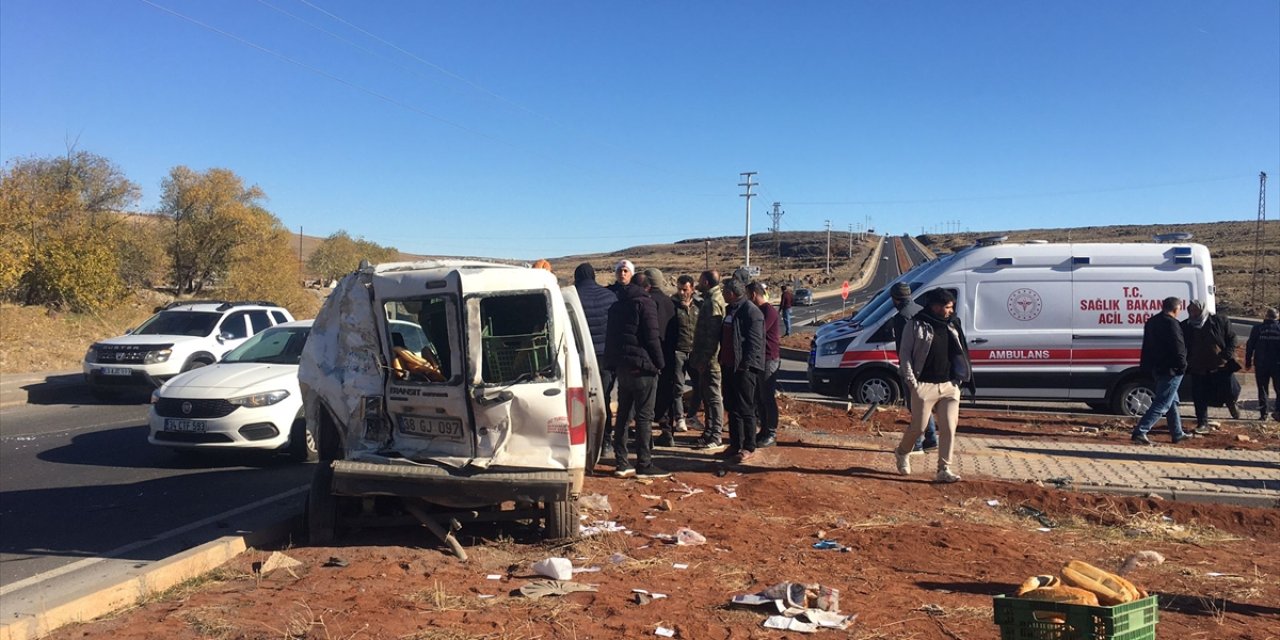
point(434, 427)
point(184, 426)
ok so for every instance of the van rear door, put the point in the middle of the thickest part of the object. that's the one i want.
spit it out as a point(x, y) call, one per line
point(426, 387)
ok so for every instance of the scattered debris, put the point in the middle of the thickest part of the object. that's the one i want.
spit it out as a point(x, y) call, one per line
point(275, 561)
point(1040, 516)
point(805, 608)
point(680, 565)
point(729, 490)
point(1240, 437)
point(595, 502)
point(932, 609)
point(829, 544)
point(600, 526)
point(1061, 483)
point(618, 558)
point(1141, 559)
point(493, 576)
point(993, 503)
point(334, 561)
point(664, 632)
point(535, 590)
point(554, 568)
point(685, 490)
point(665, 505)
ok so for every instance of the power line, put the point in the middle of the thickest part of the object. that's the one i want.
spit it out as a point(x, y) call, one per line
point(1046, 194)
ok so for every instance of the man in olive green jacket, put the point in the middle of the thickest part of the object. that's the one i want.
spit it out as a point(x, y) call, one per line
point(703, 359)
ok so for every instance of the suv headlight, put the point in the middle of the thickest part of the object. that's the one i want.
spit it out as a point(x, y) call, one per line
point(158, 356)
point(260, 399)
point(834, 347)
point(91, 356)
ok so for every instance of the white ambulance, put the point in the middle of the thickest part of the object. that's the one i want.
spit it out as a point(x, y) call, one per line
point(462, 390)
point(1056, 322)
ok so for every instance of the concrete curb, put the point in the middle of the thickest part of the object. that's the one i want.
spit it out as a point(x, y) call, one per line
point(24, 388)
point(144, 582)
point(1183, 495)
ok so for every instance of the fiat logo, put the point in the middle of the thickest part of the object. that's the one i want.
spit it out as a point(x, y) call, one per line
point(186, 408)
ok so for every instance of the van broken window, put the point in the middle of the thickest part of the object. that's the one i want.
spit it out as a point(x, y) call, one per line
point(421, 343)
point(515, 335)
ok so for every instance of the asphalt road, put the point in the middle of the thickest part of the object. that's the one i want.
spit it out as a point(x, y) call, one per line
point(79, 480)
point(886, 273)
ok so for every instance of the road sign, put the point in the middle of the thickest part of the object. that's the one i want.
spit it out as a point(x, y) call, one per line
point(844, 291)
point(753, 270)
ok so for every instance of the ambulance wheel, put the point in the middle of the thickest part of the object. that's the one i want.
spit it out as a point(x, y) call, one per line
point(561, 518)
point(1132, 398)
point(875, 387)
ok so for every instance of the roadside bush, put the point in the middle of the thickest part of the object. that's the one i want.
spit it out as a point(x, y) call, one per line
point(78, 271)
point(262, 267)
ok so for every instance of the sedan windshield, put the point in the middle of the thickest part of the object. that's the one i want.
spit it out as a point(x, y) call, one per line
point(179, 323)
point(273, 346)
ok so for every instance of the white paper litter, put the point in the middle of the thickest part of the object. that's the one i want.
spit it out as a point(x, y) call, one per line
point(485, 596)
point(680, 565)
point(554, 568)
point(650, 517)
point(650, 496)
point(600, 526)
point(751, 600)
point(664, 632)
point(1044, 529)
point(728, 490)
point(493, 576)
point(993, 503)
point(592, 569)
point(789, 624)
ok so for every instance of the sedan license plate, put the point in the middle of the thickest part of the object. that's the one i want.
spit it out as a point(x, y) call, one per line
point(117, 371)
point(435, 427)
point(184, 426)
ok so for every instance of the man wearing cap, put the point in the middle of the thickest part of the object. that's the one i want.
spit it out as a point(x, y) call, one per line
point(1262, 352)
point(901, 294)
point(1211, 346)
point(633, 350)
point(703, 358)
point(622, 273)
point(934, 362)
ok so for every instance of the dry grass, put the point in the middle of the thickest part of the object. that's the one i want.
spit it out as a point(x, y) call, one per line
point(212, 622)
point(33, 339)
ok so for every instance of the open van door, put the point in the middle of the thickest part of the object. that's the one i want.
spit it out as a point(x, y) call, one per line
point(596, 416)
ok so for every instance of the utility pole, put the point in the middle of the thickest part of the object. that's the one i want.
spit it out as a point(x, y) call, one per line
point(706, 254)
point(1259, 293)
point(777, 223)
point(828, 272)
point(850, 242)
point(300, 278)
point(746, 175)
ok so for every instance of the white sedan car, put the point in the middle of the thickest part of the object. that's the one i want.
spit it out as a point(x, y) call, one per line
point(248, 400)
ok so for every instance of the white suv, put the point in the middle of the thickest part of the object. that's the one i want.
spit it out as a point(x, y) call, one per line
point(182, 336)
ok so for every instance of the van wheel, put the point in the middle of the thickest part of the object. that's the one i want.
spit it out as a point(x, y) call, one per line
point(302, 444)
point(562, 518)
point(1133, 398)
point(322, 507)
point(876, 387)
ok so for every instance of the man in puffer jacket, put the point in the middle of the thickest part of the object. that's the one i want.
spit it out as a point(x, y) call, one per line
point(633, 351)
point(596, 301)
point(934, 363)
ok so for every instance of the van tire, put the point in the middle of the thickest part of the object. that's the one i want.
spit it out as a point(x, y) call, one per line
point(562, 518)
point(1132, 397)
point(879, 386)
point(322, 507)
point(302, 444)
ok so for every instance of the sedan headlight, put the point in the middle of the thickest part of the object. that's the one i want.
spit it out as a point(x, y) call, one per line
point(91, 356)
point(260, 399)
point(834, 347)
point(158, 356)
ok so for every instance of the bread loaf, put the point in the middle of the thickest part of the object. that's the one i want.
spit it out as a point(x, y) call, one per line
point(1110, 589)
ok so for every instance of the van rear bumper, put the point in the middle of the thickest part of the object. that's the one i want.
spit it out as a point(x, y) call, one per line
point(449, 485)
point(831, 382)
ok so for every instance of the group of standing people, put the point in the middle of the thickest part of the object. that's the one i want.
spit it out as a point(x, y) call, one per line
point(723, 336)
point(1202, 348)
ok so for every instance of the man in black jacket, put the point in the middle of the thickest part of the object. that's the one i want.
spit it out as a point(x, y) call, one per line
point(596, 301)
point(633, 351)
point(1262, 351)
point(1164, 358)
point(741, 361)
point(1211, 352)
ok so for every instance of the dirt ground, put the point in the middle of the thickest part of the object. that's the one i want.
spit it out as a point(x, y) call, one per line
point(923, 561)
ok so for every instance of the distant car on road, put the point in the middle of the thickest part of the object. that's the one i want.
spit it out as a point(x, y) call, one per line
point(804, 297)
point(249, 400)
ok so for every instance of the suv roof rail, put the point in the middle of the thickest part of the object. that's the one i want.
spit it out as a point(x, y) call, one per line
point(989, 241)
point(183, 303)
point(244, 303)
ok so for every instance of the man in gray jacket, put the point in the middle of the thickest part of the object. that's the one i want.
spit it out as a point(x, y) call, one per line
point(934, 362)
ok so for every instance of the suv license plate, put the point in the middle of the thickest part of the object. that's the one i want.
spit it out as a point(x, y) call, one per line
point(435, 427)
point(184, 426)
point(117, 371)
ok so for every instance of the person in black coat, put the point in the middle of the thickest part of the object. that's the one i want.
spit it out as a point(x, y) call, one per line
point(1164, 358)
point(741, 363)
point(596, 301)
point(1262, 354)
point(634, 352)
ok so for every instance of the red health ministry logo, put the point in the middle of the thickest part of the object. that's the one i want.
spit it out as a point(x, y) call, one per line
point(1025, 304)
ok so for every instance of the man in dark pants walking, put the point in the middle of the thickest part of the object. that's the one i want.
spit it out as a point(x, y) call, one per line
point(741, 362)
point(788, 301)
point(633, 351)
point(901, 294)
point(1211, 344)
point(1262, 351)
point(596, 301)
point(767, 388)
point(1164, 357)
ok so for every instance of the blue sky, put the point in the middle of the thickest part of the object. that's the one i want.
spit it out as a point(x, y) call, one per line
point(542, 129)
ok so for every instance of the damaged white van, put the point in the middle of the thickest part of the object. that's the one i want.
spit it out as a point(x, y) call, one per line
point(465, 390)
point(1056, 322)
